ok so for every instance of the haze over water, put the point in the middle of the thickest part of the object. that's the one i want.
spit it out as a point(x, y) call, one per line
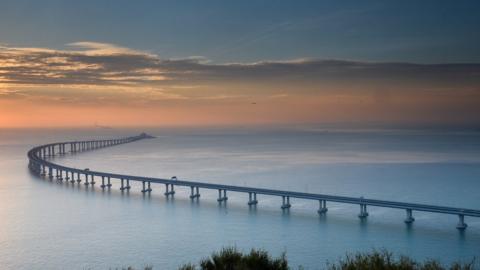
point(50, 225)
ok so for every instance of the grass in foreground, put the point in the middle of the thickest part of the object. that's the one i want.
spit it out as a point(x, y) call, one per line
point(231, 258)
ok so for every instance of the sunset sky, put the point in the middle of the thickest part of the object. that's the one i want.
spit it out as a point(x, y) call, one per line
point(128, 63)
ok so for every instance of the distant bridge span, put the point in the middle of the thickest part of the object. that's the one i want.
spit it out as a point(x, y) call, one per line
point(41, 166)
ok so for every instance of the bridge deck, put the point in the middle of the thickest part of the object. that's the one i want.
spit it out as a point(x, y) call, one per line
point(36, 157)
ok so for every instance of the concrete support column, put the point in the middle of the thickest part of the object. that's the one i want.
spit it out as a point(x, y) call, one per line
point(169, 192)
point(43, 173)
point(93, 180)
point(128, 184)
point(73, 177)
point(193, 194)
point(252, 198)
point(363, 211)
point(322, 208)
point(122, 187)
point(103, 182)
point(78, 178)
point(108, 182)
point(409, 219)
point(143, 187)
point(66, 176)
point(286, 203)
point(149, 189)
point(86, 180)
point(461, 223)
point(222, 198)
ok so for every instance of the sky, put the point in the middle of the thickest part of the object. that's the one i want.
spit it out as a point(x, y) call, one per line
point(161, 63)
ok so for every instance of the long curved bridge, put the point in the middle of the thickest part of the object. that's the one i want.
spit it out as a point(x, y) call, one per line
point(41, 166)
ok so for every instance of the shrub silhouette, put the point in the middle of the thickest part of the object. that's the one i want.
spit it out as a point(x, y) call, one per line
point(231, 259)
point(384, 260)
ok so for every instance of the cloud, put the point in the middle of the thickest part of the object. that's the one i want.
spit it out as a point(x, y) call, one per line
point(105, 65)
point(97, 48)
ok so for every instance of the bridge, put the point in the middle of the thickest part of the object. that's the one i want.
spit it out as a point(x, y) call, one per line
point(40, 165)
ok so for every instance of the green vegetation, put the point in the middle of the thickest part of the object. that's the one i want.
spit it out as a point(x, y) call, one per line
point(231, 258)
point(385, 260)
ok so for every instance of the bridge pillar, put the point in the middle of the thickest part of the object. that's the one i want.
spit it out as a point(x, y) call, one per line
point(194, 192)
point(252, 198)
point(103, 182)
point(192, 196)
point(108, 182)
point(66, 176)
point(409, 219)
point(50, 173)
point(60, 175)
point(78, 178)
point(221, 198)
point(93, 180)
point(86, 180)
point(286, 203)
point(122, 187)
point(44, 172)
point(149, 189)
point(128, 184)
point(73, 177)
point(461, 223)
point(363, 211)
point(169, 192)
point(143, 187)
point(322, 209)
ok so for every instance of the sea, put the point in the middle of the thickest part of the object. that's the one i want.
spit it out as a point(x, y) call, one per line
point(56, 225)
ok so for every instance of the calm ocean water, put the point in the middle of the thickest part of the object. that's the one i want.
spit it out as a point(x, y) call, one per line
point(49, 225)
